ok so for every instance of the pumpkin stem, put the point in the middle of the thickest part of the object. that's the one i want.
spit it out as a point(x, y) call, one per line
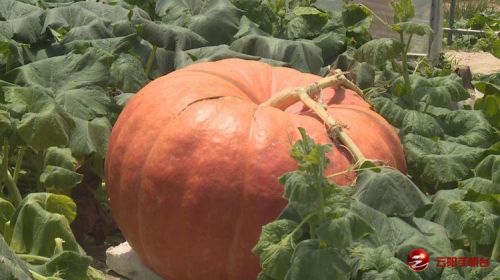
point(288, 97)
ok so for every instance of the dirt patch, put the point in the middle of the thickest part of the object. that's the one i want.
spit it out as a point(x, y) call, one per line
point(479, 62)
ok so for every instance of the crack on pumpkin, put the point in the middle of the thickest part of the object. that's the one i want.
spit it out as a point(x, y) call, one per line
point(201, 100)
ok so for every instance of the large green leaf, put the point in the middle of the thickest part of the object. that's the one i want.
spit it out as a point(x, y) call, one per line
point(90, 137)
point(311, 261)
point(20, 21)
point(305, 22)
point(75, 82)
point(378, 51)
point(11, 267)
point(332, 44)
point(380, 263)
point(109, 46)
point(389, 191)
point(468, 127)
point(301, 55)
point(490, 106)
point(67, 265)
point(85, 21)
point(170, 36)
point(40, 115)
point(248, 27)
point(215, 20)
point(391, 111)
point(443, 215)
point(301, 192)
point(477, 219)
point(258, 11)
point(39, 220)
point(420, 29)
point(401, 236)
point(443, 91)
point(275, 247)
point(214, 53)
point(60, 157)
point(403, 10)
point(439, 162)
point(59, 169)
point(343, 231)
point(489, 168)
point(357, 19)
point(6, 212)
point(127, 73)
point(420, 123)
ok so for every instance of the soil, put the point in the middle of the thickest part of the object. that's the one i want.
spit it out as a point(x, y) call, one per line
point(479, 62)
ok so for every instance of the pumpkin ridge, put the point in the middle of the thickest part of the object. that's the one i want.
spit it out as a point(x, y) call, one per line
point(140, 196)
point(228, 80)
point(242, 193)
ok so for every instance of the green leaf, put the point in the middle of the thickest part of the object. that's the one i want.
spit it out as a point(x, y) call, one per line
point(442, 92)
point(403, 10)
point(305, 22)
point(90, 137)
point(215, 20)
point(332, 44)
point(403, 235)
point(487, 87)
point(489, 168)
point(477, 220)
point(39, 220)
point(61, 157)
point(420, 29)
point(391, 111)
point(6, 212)
point(420, 123)
point(357, 19)
point(275, 247)
point(40, 115)
point(312, 261)
point(109, 46)
point(468, 127)
point(67, 265)
point(248, 27)
point(490, 106)
point(127, 73)
point(389, 191)
point(443, 215)
point(479, 186)
point(439, 162)
point(302, 193)
point(341, 232)
point(84, 20)
point(301, 55)
point(75, 82)
point(11, 267)
point(378, 51)
point(170, 36)
point(258, 11)
point(380, 263)
point(20, 21)
point(5, 122)
point(58, 178)
point(212, 53)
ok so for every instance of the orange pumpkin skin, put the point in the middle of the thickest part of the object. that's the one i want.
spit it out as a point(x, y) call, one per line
point(193, 163)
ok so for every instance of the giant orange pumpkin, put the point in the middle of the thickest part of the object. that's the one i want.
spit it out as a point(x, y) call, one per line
point(193, 163)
